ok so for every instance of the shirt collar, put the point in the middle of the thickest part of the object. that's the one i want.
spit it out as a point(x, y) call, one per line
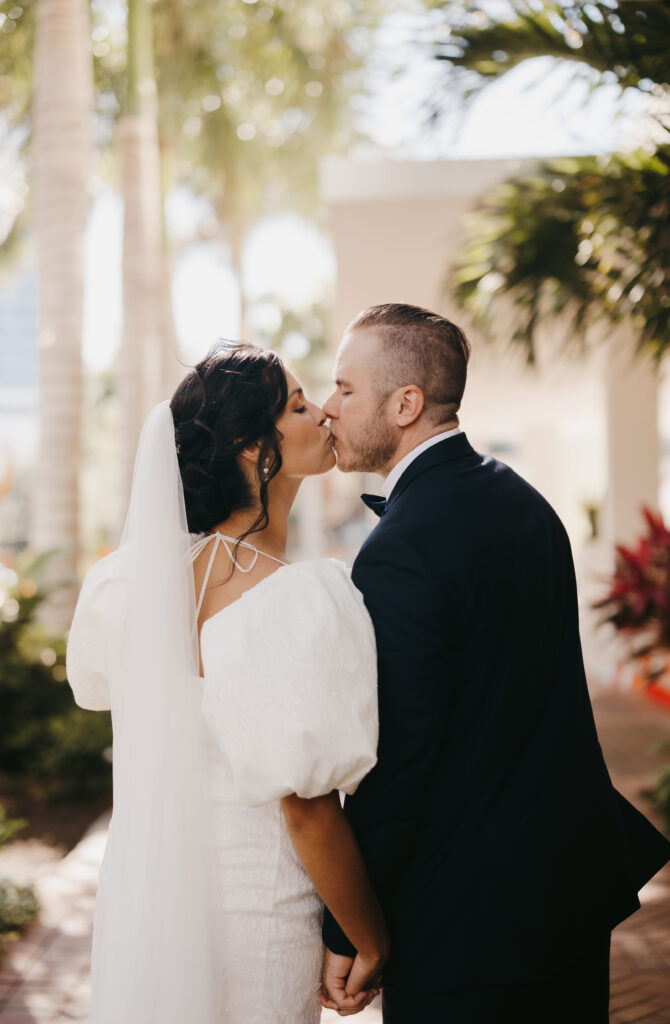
point(400, 467)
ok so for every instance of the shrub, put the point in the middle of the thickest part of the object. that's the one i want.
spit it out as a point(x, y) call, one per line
point(9, 826)
point(638, 602)
point(18, 907)
point(638, 606)
point(18, 903)
point(47, 743)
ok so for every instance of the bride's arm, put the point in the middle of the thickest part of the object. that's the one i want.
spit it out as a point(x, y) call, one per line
point(88, 655)
point(326, 845)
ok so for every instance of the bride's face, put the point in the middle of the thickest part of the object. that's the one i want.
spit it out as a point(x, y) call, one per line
point(306, 446)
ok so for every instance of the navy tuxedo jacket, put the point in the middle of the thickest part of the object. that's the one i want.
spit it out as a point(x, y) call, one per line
point(493, 836)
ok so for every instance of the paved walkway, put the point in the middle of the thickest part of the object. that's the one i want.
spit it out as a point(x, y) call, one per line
point(640, 962)
point(44, 978)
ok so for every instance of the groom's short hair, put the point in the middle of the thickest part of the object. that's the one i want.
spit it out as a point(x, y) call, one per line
point(421, 348)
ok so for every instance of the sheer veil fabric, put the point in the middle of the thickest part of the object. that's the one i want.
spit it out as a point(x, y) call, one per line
point(154, 954)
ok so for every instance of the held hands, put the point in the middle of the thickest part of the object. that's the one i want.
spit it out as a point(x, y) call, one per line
point(350, 984)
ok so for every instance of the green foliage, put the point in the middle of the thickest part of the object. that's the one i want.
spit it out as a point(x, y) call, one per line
point(9, 826)
point(585, 236)
point(18, 904)
point(628, 41)
point(18, 907)
point(17, 38)
point(251, 94)
point(47, 743)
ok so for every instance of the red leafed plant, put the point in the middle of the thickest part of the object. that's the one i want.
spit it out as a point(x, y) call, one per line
point(638, 602)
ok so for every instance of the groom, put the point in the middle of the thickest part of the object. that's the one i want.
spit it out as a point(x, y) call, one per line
point(500, 852)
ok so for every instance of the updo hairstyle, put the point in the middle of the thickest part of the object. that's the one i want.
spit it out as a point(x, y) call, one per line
point(230, 400)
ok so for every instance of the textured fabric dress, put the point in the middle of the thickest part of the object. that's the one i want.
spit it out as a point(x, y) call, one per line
point(289, 697)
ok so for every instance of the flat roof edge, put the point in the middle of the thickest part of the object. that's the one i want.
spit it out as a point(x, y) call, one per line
point(348, 181)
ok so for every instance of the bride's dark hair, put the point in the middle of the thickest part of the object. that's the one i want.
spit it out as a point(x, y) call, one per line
point(228, 401)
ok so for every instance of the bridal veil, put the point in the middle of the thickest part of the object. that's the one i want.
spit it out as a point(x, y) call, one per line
point(154, 957)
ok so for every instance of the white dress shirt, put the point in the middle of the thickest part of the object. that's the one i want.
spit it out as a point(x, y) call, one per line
point(400, 467)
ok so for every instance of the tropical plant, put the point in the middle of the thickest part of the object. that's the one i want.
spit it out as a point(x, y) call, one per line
point(62, 139)
point(584, 237)
point(626, 41)
point(638, 601)
point(17, 35)
point(587, 235)
point(235, 102)
point(250, 96)
point(141, 364)
point(239, 100)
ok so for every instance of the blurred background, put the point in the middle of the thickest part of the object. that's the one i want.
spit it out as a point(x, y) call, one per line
point(179, 171)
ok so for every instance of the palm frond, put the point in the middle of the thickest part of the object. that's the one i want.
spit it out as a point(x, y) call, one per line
point(585, 237)
point(629, 39)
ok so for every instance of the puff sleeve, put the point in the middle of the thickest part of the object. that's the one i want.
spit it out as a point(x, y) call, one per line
point(290, 686)
point(89, 642)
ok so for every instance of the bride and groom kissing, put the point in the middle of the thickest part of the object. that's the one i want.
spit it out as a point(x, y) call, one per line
point(482, 856)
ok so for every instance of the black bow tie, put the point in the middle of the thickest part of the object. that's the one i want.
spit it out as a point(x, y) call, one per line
point(376, 502)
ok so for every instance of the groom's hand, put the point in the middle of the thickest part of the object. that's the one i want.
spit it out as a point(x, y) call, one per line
point(334, 994)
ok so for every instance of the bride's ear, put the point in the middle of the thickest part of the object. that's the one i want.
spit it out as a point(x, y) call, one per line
point(252, 453)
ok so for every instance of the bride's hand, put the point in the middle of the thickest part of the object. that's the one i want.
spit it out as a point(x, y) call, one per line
point(365, 975)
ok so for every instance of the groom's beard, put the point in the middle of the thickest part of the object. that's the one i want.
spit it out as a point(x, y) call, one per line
point(370, 449)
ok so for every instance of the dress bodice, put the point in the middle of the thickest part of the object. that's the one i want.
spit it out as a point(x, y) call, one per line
point(289, 692)
point(289, 687)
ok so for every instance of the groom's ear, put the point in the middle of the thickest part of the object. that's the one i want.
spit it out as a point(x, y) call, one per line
point(407, 405)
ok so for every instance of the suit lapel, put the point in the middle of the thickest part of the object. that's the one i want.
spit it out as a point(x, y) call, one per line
point(449, 450)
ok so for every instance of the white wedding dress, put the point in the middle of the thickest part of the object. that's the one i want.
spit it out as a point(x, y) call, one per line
point(290, 704)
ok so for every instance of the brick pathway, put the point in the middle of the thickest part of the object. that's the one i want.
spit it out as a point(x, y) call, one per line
point(640, 961)
point(44, 978)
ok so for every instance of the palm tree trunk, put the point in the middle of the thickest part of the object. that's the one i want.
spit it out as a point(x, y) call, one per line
point(173, 368)
point(236, 251)
point(142, 370)
point(62, 152)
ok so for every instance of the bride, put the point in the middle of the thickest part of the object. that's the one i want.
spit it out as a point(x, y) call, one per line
point(243, 697)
